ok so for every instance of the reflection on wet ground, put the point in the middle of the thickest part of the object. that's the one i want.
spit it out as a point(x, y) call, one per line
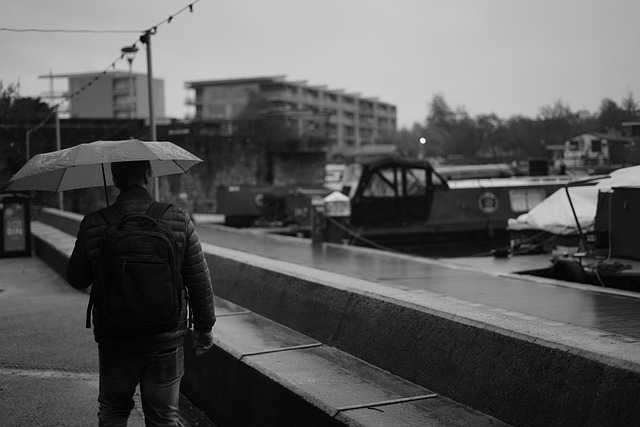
point(616, 314)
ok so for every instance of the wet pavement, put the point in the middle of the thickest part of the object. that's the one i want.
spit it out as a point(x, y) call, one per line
point(48, 359)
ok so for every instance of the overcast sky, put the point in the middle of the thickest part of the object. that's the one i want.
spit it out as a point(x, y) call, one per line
point(508, 57)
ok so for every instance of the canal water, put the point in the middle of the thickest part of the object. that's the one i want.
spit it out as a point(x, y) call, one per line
point(453, 249)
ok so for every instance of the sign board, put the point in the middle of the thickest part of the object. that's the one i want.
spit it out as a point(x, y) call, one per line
point(16, 228)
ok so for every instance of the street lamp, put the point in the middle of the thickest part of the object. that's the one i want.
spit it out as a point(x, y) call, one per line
point(423, 141)
point(130, 53)
point(146, 39)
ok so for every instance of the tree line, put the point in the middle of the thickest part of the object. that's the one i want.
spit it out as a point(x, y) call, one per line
point(453, 133)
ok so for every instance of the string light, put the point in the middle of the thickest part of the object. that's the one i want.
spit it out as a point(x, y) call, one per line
point(147, 33)
point(170, 18)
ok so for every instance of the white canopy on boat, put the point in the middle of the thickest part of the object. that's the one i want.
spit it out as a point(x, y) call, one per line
point(554, 214)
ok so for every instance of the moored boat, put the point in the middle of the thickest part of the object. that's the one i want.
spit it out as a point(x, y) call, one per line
point(406, 204)
point(397, 202)
point(591, 233)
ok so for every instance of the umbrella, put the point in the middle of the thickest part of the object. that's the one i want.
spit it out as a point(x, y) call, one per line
point(86, 165)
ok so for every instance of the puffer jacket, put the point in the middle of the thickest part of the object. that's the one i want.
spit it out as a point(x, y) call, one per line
point(195, 272)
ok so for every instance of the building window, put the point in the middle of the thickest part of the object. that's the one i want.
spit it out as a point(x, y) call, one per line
point(121, 85)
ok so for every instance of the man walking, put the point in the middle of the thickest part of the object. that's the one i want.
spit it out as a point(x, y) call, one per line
point(153, 358)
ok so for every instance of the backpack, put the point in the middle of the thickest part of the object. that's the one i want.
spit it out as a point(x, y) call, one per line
point(137, 288)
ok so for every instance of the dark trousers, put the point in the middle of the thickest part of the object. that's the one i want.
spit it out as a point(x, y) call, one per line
point(159, 376)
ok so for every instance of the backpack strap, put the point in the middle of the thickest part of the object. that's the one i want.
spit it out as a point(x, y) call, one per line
point(156, 209)
point(111, 215)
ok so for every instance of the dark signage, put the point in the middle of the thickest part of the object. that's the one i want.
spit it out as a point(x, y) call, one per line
point(15, 226)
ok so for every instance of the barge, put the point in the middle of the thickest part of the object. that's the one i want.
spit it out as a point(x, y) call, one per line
point(397, 203)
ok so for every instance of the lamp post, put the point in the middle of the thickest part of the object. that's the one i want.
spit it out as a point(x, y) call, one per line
point(130, 53)
point(146, 39)
point(423, 141)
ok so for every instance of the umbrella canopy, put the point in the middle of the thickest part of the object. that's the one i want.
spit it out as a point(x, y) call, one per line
point(88, 165)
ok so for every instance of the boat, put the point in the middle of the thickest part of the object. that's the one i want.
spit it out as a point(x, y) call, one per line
point(589, 230)
point(408, 204)
point(403, 204)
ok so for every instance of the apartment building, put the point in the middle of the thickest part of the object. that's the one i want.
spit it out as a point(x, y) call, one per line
point(345, 119)
point(115, 95)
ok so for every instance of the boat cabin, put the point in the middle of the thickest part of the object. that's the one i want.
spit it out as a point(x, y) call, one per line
point(390, 190)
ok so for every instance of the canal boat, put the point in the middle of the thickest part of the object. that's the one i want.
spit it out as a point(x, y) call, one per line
point(409, 204)
point(402, 204)
point(591, 232)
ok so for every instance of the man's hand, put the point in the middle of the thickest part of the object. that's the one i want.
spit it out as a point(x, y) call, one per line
point(202, 342)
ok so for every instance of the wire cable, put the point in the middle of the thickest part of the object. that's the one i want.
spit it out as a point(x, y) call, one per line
point(40, 30)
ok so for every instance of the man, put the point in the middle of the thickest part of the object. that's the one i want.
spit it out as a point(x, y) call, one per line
point(155, 361)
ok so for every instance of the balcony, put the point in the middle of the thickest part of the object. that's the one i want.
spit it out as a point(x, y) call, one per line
point(193, 101)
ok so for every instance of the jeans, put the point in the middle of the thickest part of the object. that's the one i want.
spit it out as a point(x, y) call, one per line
point(159, 375)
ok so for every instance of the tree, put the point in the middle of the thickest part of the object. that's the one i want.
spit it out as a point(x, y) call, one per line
point(17, 110)
point(17, 115)
point(465, 140)
point(610, 116)
point(440, 114)
point(630, 106)
point(555, 111)
point(491, 132)
point(448, 131)
point(408, 141)
point(556, 122)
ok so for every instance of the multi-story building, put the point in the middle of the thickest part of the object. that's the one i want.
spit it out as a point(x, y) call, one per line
point(345, 119)
point(115, 94)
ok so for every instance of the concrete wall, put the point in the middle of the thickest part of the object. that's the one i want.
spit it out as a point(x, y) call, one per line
point(495, 365)
point(518, 371)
